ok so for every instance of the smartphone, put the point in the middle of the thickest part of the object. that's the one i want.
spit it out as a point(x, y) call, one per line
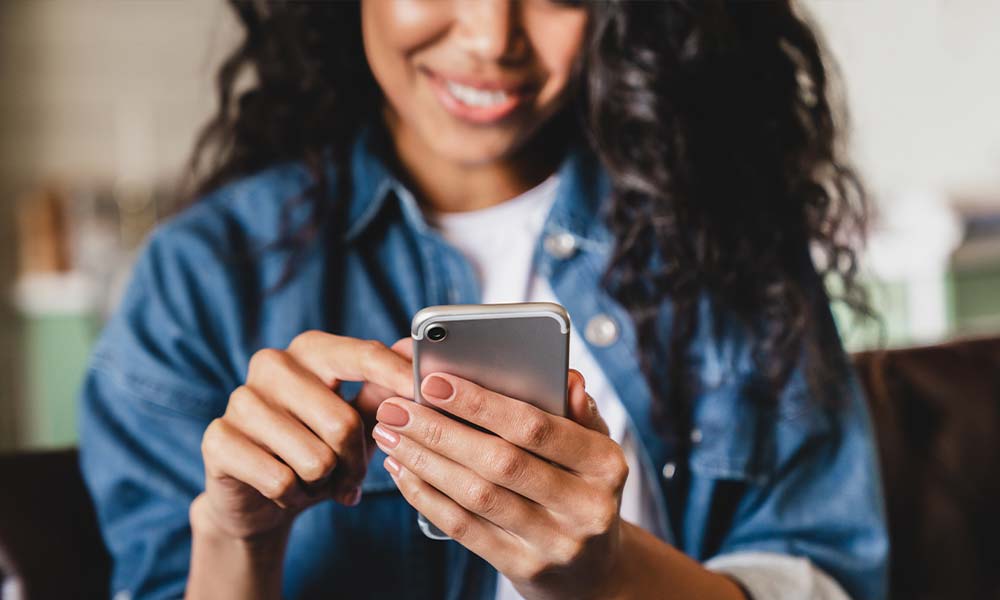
point(519, 350)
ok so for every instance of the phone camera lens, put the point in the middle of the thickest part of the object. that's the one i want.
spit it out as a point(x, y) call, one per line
point(436, 333)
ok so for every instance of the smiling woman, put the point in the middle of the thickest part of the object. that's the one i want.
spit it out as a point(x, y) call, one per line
point(468, 86)
point(661, 169)
point(443, 79)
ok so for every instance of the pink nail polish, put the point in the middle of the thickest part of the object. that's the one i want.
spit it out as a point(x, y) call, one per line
point(391, 465)
point(437, 388)
point(385, 437)
point(393, 414)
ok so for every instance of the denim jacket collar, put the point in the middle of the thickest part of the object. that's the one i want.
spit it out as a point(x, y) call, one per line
point(583, 186)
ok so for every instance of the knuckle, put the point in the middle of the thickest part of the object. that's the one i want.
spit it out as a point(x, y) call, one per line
point(536, 431)
point(603, 516)
point(350, 422)
point(457, 526)
point(475, 402)
point(212, 441)
point(509, 465)
point(483, 498)
point(266, 361)
point(370, 350)
point(241, 401)
point(565, 552)
point(320, 463)
point(419, 461)
point(524, 569)
point(334, 429)
point(433, 433)
point(340, 427)
point(373, 347)
point(311, 470)
point(305, 340)
point(616, 470)
point(279, 484)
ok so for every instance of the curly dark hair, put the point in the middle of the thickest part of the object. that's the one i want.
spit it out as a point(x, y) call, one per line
point(713, 119)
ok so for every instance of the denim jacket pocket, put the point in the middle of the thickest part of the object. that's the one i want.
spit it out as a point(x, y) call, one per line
point(731, 435)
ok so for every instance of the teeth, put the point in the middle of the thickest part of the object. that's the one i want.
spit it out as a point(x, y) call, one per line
point(473, 97)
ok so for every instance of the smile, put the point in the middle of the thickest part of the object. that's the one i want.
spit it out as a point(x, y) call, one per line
point(480, 103)
point(474, 97)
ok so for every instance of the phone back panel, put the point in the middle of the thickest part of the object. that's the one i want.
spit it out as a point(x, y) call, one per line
point(519, 352)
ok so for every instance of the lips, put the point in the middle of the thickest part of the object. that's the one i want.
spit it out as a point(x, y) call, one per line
point(478, 101)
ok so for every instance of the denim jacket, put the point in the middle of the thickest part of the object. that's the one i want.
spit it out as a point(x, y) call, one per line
point(790, 477)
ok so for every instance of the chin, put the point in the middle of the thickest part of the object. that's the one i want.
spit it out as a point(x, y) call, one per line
point(475, 149)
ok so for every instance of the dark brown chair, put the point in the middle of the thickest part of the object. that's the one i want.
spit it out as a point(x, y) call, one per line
point(937, 420)
point(50, 546)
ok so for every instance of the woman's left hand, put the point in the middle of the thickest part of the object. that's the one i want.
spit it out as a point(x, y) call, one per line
point(539, 500)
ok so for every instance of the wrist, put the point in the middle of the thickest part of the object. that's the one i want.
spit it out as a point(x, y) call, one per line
point(643, 563)
point(617, 578)
point(261, 546)
point(232, 566)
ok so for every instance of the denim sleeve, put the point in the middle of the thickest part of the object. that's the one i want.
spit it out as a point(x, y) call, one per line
point(155, 381)
point(796, 478)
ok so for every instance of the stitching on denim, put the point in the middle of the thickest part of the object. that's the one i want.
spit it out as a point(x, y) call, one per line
point(145, 389)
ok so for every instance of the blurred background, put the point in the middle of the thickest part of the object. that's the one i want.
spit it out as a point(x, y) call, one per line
point(102, 99)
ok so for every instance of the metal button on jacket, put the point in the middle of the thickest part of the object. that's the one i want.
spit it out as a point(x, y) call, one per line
point(560, 245)
point(669, 470)
point(601, 330)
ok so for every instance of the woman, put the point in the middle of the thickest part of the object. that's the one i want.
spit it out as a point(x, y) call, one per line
point(660, 169)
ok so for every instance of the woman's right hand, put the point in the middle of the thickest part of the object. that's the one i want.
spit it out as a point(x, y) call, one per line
point(287, 440)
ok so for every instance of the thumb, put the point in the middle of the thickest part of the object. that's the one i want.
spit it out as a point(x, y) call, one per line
point(582, 408)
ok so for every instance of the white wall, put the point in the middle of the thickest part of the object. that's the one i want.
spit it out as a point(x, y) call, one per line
point(100, 89)
point(923, 80)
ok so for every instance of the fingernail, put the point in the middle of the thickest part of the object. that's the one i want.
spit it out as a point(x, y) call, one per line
point(392, 414)
point(391, 465)
point(352, 497)
point(437, 388)
point(385, 437)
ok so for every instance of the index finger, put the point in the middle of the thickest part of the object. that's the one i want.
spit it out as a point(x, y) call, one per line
point(552, 437)
point(335, 358)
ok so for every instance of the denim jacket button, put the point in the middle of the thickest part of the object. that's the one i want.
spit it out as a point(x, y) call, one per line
point(669, 470)
point(695, 436)
point(560, 245)
point(601, 331)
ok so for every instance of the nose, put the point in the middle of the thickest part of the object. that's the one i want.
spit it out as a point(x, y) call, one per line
point(489, 29)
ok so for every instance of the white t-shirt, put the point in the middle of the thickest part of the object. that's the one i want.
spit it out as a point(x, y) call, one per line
point(499, 242)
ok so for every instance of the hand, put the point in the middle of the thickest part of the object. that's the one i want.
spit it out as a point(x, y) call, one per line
point(539, 500)
point(288, 440)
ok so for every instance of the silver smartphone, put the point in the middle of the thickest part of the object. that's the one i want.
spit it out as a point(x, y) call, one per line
point(519, 350)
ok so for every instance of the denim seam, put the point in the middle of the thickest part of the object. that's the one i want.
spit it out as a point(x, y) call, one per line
point(101, 364)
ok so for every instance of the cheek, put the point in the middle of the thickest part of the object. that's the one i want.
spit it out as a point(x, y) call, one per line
point(407, 24)
point(557, 44)
point(392, 31)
